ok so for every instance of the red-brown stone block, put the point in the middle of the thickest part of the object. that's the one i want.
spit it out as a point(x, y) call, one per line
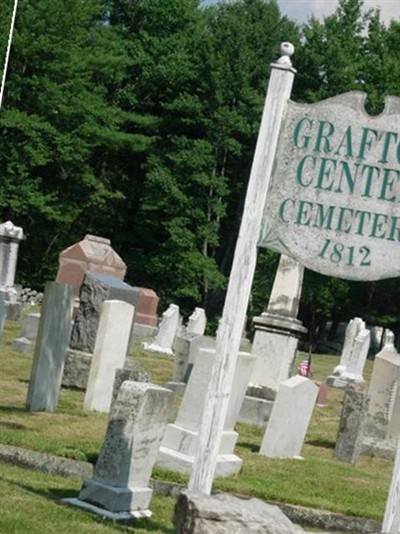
point(146, 311)
point(93, 254)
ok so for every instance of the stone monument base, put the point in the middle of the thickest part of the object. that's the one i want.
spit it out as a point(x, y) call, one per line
point(114, 498)
point(340, 382)
point(379, 448)
point(180, 445)
point(157, 349)
point(116, 516)
point(227, 464)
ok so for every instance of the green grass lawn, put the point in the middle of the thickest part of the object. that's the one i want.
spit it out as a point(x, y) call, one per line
point(317, 481)
point(31, 502)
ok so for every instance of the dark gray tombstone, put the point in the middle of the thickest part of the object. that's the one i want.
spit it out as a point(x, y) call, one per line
point(95, 289)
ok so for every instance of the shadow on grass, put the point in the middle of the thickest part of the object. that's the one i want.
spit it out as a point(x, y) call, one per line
point(11, 409)
point(56, 494)
point(253, 447)
point(321, 442)
point(14, 425)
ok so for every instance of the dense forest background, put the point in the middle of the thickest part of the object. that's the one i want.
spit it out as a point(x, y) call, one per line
point(136, 120)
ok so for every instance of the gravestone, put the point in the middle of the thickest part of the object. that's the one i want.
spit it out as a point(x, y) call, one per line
point(290, 417)
point(278, 329)
point(197, 322)
point(92, 254)
point(146, 319)
point(30, 326)
point(354, 328)
point(187, 349)
point(95, 290)
point(109, 353)
point(120, 485)
point(167, 331)
point(358, 357)
point(351, 426)
point(129, 373)
point(181, 349)
point(50, 348)
point(382, 428)
point(391, 520)
point(181, 438)
point(10, 238)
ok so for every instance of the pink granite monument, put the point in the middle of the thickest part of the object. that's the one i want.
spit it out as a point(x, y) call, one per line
point(93, 254)
point(146, 311)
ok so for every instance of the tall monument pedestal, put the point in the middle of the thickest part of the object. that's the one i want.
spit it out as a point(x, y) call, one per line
point(275, 342)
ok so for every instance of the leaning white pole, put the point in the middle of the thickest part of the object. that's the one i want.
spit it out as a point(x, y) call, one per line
point(10, 35)
point(391, 520)
point(241, 277)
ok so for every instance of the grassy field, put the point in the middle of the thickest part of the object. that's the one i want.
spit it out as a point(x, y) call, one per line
point(317, 481)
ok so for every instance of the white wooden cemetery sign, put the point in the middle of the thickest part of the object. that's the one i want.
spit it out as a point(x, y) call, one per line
point(334, 199)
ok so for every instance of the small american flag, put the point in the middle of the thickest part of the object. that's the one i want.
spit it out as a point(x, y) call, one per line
point(304, 368)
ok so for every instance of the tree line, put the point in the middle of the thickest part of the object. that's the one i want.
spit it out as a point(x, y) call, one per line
point(136, 120)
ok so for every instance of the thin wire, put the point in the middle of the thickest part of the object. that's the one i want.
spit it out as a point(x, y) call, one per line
point(3, 81)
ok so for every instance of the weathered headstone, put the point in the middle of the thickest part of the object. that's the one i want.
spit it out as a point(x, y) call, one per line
point(358, 357)
point(197, 322)
point(10, 238)
point(128, 373)
point(120, 485)
point(182, 347)
point(51, 345)
point(223, 513)
point(391, 520)
point(290, 417)
point(351, 427)
point(181, 438)
point(109, 353)
point(382, 428)
point(30, 326)
point(354, 327)
point(92, 254)
point(94, 291)
point(167, 331)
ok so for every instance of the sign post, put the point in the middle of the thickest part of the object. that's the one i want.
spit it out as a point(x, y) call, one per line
point(241, 277)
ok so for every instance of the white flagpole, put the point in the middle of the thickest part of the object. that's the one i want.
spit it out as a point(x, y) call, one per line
point(10, 35)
